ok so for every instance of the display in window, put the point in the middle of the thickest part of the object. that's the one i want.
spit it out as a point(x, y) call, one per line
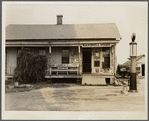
point(96, 63)
point(106, 57)
point(97, 70)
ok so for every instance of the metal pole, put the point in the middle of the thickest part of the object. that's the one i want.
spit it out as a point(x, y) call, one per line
point(133, 84)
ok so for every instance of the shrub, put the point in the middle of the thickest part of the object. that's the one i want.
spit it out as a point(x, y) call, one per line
point(30, 68)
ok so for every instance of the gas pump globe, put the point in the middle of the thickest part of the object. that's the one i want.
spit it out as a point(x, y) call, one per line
point(133, 46)
point(133, 54)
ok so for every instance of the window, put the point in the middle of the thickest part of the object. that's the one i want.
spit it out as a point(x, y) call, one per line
point(96, 63)
point(106, 57)
point(42, 52)
point(65, 55)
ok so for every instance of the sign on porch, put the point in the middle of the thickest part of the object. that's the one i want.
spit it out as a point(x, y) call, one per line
point(96, 45)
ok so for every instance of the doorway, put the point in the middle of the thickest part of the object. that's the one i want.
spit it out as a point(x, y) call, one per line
point(143, 70)
point(86, 60)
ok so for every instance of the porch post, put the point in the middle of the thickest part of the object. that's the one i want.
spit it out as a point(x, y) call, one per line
point(79, 60)
point(49, 49)
point(115, 59)
point(79, 49)
point(101, 58)
point(50, 58)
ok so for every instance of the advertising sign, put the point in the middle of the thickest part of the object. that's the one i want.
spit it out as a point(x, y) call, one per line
point(96, 45)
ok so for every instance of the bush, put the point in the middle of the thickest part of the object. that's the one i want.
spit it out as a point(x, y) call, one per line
point(30, 68)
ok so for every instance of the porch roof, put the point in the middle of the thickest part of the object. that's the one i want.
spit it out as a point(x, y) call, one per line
point(64, 31)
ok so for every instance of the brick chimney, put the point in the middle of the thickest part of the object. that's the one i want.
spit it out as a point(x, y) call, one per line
point(59, 19)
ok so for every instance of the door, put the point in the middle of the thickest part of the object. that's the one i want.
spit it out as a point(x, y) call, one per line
point(143, 70)
point(87, 60)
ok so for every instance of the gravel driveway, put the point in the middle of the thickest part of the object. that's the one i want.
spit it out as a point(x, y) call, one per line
point(76, 98)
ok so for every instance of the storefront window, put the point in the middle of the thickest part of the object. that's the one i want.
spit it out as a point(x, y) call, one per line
point(65, 55)
point(96, 63)
point(106, 57)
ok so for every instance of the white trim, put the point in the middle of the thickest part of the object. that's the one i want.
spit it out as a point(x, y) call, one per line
point(79, 49)
point(118, 39)
point(49, 49)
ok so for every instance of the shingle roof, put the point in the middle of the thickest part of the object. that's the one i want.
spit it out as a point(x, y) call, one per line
point(65, 31)
point(128, 62)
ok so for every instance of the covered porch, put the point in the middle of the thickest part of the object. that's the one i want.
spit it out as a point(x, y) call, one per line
point(64, 61)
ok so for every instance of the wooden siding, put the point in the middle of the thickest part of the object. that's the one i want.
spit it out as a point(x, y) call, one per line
point(139, 63)
point(56, 57)
point(74, 56)
point(11, 60)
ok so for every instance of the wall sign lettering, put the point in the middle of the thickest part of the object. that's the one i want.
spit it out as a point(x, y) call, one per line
point(96, 45)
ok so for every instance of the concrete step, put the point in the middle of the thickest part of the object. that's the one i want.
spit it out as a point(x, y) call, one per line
point(94, 80)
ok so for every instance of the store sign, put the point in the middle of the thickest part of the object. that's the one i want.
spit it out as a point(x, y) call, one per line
point(96, 45)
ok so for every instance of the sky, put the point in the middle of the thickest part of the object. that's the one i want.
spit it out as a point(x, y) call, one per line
point(130, 17)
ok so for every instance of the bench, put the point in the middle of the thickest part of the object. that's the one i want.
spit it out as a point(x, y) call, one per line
point(66, 68)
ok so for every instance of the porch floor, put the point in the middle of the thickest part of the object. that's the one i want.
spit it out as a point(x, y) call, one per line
point(99, 74)
point(64, 76)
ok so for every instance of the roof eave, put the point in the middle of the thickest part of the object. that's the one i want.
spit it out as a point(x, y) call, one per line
point(119, 39)
point(65, 39)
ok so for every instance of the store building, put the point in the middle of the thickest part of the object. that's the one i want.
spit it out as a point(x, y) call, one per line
point(86, 52)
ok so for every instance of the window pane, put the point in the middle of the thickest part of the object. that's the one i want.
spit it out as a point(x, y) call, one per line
point(96, 63)
point(106, 63)
point(65, 55)
point(65, 60)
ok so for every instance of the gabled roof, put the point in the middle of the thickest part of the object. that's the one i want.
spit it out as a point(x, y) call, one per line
point(64, 31)
point(128, 62)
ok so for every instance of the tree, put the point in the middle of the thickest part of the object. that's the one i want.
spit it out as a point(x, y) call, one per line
point(30, 68)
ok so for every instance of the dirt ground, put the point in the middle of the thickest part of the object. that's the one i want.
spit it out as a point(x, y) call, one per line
point(71, 97)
